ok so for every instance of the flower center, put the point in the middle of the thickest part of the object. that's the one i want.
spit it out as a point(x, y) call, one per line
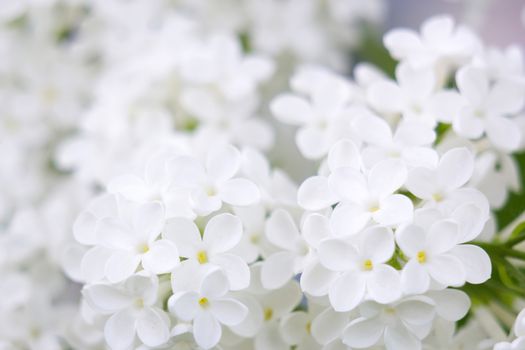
point(204, 303)
point(368, 265)
point(143, 248)
point(139, 303)
point(438, 197)
point(255, 238)
point(309, 328)
point(422, 257)
point(268, 314)
point(202, 257)
point(211, 191)
point(373, 208)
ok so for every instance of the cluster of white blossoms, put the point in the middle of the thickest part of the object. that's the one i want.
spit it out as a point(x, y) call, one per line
point(143, 157)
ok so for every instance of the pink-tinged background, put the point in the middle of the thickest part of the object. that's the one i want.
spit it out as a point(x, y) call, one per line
point(498, 21)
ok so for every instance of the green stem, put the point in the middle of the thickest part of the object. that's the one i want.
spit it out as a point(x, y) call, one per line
point(501, 250)
point(513, 241)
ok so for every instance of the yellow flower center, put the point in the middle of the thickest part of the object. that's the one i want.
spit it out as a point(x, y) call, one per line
point(268, 314)
point(421, 257)
point(373, 208)
point(202, 257)
point(309, 328)
point(143, 248)
point(438, 197)
point(255, 238)
point(204, 303)
point(139, 303)
point(368, 265)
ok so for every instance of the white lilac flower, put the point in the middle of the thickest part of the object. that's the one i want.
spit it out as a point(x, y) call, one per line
point(410, 142)
point(487, 107)
point(315, 192)
point(208, 307)
point(440, 44)
point(222, 233)
point(294, 252)
point(401, 325)
point(415, 97)
point(214, 182)
point(133, 311)
point(442, 186)
point(364, 269)
point(370, 197)
point(322, 116)
point(128, 240)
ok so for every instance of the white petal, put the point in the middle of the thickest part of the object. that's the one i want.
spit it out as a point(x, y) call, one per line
point(397, 338)
point(223, 232)
point(293, 327)
point(348, 219)
point(473, 84)
point(239, 192)
point(394, 210)
point(475, 261)
point(281, 230)
point(402, 42)
point(229, 311)
point(503, 132)
point(291, 109)
point(414, 134)
point(214, 284)
point(328, 325)
point(315, 228)
point(384, 284)
point(414, 278)
point(347, 291)
point(451, 304)
point(422, 182)
point(185, 234)
point(386, 97)
point(447, 270)
point(455, 168)
point(419, 83)
point(161, 258)
point(184, 305)
point(106, 298)
point(470, 220)
point(130, 186)
point(235, 268)
point(93, 263)
point(337, 255)
point(362, 333)
point(312, 141)
point(121, 265)
point(411, 239)
point(416, 310)
point(442, 236)
point(84, 228)
point(119, 330)
point(148, 220)
point(344, 154)
point(468, 124)
point(377, 244)
point(386, 177)
point(223, 162)
point(505, 97)
point(373, 130)
point(152, 328)
point(315, 194)
point(252, 323)
point(276, 270)
point(445, 105)
point(316, 279)
point(206, 330)
point(112, 233)
point(186, 171)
